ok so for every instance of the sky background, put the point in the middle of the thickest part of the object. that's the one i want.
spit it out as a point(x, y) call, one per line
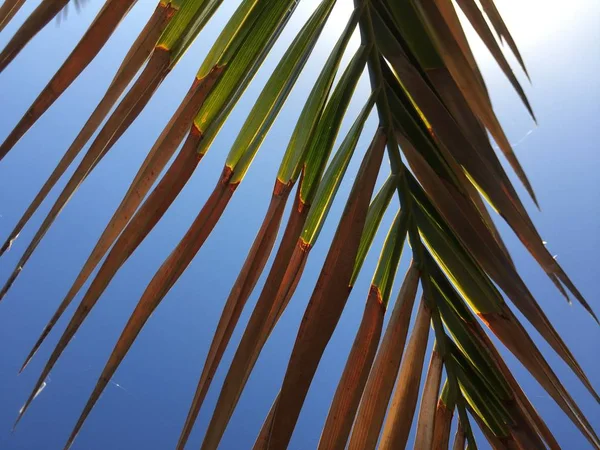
point(146, 404)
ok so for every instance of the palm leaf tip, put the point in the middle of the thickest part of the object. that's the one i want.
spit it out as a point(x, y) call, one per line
point(8, 244)
point(116, 125)
point(86, 50)
point(162, 282)
point(148, 215)
point(40, 17)
point(137, 55)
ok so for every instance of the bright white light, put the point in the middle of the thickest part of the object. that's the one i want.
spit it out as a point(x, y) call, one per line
point(533, 22)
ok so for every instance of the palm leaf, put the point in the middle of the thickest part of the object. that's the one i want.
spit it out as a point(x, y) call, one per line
point(434, 115)
point(138, 54)
point(37, 20)
point(426, 421)
point(88, 47)
point(377, 392)
point(8, 10)
point(328, 299)
point(406, 392)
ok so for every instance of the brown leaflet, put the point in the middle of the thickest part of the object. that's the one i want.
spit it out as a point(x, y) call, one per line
point(406, 392)
point(512, 334)
point(427, 411)
point(487, 218)
point(459, 437)
point(526, 408)
point(356, 371)
point(380, 383)
point(453, 206)
point(36, 21)
point(505, 199)
point(88, 47)
point(141, 224)
point(451, 142)
point(522, 430)
point(155, 161)
point(240, 292)
point(473, 13)
point(474, 235)
point(328, 299)
point(171, 139)
point(484, 167)
point(139, 227)
point(127, 111)
point(498, 23)
point(262, 440)
point(484, 160)
point(292, 277)
point(446, 131)
point(133, 61)
point(533, 417)
point(473, 130)
point(447, 11)
point(164, 279)
point(263, 319)
point(470, 87)
point(441, 429)
point(8, 9)
point(495, 442)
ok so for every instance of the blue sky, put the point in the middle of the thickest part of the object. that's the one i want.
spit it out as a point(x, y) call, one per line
point(146, 405)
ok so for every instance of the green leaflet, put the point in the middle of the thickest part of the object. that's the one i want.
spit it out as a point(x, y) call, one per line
point(274, 94)
point(202, 16)
point(456, 317)
point(484, 402)
point(448, 395)
point(377, 208)
point(410, 123)
point(409, 23)
point(333, 177)
point(241, 59)
point(321, 142)
point(293, 159)
point(183, 29)
point(186, 9)
point(383, 279)
point(465, 422)
point(465, 274)
point(232, 35)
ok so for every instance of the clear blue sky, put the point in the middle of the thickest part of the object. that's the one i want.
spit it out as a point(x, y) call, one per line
point(146, 405)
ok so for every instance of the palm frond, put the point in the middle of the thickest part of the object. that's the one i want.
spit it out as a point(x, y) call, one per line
point(434, 120)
